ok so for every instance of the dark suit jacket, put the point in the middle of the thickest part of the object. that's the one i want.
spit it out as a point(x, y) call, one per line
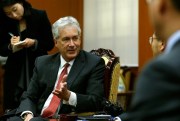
point(85, 79)
point(157, 91)
point(38, 27)
point(19, 65)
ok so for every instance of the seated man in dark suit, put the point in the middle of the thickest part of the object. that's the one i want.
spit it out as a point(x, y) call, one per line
point(81, 86)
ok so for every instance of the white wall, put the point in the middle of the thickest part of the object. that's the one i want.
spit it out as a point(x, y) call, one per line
point(112, 24)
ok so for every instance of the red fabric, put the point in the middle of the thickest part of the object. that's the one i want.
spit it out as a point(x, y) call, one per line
point(55, 101)
point(54, 120)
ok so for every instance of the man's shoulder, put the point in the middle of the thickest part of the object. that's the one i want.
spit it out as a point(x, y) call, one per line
point(90, 56)
point(48, 57)
point(167, 64)
point(169, 60)
point(156, 64)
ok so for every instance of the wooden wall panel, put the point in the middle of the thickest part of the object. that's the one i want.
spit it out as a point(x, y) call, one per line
point(145, 31)
point(60, 8)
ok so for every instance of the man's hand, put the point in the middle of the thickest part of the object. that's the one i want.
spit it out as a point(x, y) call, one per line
point(28, 117)
point(117, 119)
point(62, 91)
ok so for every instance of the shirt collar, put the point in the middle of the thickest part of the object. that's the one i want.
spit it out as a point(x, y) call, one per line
point(63, 62)
point(172, 41)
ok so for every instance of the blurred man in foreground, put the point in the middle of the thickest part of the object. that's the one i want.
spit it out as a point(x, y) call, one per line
point(157, 90)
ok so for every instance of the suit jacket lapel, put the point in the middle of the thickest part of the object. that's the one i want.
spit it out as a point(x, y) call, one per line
point(54, 68)
point(79, 63)
point(177, 44)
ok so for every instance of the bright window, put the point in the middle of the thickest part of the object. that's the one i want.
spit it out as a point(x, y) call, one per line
point(112, 24)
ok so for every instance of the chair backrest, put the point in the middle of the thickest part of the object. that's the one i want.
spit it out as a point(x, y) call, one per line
point(112, 72)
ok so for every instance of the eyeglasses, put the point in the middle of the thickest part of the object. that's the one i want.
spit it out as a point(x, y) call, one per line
point(151, 39)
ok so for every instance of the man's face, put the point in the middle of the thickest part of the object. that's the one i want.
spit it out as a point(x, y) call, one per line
point(156, 45)
point(69, 43)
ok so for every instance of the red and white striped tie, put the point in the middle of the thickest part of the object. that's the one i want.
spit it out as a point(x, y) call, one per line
point(55, 101)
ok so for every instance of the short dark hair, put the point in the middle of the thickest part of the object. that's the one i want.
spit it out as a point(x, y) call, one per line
point(157, 37)
point(27, 6)
point(176, 4)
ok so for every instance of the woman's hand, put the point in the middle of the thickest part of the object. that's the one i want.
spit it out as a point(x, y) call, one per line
point(15, 39)
point(28, 43)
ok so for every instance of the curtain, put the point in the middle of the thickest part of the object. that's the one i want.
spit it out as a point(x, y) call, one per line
point(112, 24)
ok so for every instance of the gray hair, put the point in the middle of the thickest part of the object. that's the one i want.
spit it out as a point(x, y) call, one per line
point(63, 22)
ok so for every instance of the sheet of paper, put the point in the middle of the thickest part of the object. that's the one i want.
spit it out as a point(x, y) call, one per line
point(16, 47)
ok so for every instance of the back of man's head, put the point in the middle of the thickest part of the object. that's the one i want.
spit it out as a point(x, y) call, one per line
point(165, 17)
point(176, 4)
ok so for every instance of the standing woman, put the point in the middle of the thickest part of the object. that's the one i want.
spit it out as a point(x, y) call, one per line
point(20, 22)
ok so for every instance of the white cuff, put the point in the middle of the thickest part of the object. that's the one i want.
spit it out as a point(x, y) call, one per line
point(117, 119)
point(26, 112)
point(72, 99)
